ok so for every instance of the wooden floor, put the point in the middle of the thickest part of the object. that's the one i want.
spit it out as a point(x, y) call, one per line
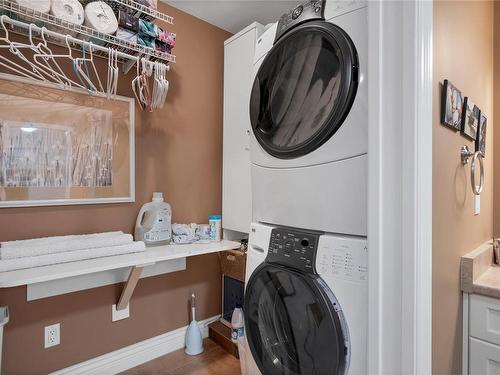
point(213, 361)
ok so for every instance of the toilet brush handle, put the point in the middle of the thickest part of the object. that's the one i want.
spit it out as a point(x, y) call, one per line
point(193, 306)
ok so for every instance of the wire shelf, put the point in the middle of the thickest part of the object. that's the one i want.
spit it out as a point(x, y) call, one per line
point(27, 15)
point(144, 10)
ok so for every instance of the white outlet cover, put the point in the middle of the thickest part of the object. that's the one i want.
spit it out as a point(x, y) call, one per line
point(477, 204)
point(52, 335)
point(120, 314)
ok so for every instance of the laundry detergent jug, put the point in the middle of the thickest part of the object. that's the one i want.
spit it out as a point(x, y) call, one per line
point(154, 222)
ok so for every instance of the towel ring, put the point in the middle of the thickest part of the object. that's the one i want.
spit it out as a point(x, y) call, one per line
point(466, 155)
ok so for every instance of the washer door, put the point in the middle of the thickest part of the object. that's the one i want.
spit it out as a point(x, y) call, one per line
point(304, 89)
point(292, 325)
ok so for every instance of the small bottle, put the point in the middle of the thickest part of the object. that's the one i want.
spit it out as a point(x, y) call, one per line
point(215, 223)
point(237, 324)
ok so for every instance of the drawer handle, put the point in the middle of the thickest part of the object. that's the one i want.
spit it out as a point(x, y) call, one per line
point(231, 258)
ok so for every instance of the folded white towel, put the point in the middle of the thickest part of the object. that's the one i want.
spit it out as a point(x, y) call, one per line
point(70, 256)
point(181, 229)
point(73, 244)
point(183, 239)
point(50, 240)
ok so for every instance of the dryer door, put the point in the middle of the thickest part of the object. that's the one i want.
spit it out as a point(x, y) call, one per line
point(294, 325)
point(304, 89)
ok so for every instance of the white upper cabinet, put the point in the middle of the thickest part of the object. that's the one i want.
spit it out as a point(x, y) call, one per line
point(238, 80)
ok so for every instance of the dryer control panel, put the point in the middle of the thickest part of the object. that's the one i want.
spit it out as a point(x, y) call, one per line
point(293, 248)
point(311, 10)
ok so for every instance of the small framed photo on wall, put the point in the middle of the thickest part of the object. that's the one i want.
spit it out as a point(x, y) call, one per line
point(451, 106)
point(470, 120)
point(481, 134)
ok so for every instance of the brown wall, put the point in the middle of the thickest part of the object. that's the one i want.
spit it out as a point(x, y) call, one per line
point(496, 112)
point(179, 152)
point(463, 53)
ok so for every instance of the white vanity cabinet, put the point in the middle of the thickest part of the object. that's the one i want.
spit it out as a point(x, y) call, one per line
point(238, 81)
point(481, 335)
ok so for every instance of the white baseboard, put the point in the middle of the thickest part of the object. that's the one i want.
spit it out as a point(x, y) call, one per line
point(136, 354)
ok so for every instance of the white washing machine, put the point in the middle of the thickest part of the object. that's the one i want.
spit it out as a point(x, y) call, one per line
point(309, 118)
point(306, 302)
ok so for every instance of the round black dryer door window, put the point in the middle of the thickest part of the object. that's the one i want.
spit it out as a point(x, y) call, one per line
point(304, 89)
point(291, 325)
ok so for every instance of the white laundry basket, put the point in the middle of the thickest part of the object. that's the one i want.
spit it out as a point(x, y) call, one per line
point(247, 363)
point(4, 319)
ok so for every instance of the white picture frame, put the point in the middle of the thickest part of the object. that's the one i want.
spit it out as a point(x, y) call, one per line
point(127, 198)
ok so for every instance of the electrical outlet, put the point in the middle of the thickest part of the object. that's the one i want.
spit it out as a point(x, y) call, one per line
point(52, 335)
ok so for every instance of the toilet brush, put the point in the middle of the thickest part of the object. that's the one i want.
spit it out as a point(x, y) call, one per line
point(194, 341)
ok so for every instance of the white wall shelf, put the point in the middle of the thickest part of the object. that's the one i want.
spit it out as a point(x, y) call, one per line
point(136, 262)
point(145, 11)
point(15, 11)
point(151, 256)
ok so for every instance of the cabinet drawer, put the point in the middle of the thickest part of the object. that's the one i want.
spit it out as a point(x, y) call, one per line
point(484, 358)
point(233, 263)
point(485, 318)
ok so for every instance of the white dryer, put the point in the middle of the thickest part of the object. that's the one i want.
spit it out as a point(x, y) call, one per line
point(309, 118)
point(306, 302)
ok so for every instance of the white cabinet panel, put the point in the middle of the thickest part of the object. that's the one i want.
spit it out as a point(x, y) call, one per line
point(485, 318)
point(484, 358)
point(238, 81)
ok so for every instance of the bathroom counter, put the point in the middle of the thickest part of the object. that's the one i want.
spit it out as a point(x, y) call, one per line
point(150, 256)
point(480, 278)
point(479, 274)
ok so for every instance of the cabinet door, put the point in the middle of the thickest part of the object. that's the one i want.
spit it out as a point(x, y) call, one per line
point(484, 358)
point(485, 318)
point(238, 77)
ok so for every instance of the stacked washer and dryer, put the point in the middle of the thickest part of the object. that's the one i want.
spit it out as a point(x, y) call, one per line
point(306, 293)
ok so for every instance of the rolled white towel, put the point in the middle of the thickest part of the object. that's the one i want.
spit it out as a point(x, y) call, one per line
point(59, 246)
point(44, 240)
point(100, 17)
point(70, 256)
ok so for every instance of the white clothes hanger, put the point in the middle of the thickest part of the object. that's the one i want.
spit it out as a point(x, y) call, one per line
point(84, 60)
point(166, 83)
point(110, 77)
point(116, 71)
point(157, 86)
point(46, 53)
point(10, 64)
point(162, 85)
point(48, 63)
point(136, 83)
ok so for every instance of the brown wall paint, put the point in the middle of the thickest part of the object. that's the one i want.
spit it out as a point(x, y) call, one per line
point(179, 152)
point(463, 53)
point(496, 113)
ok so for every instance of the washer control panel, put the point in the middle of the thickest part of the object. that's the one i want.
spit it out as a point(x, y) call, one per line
point(307, 11)
point(343, 257)
point(293, 248)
